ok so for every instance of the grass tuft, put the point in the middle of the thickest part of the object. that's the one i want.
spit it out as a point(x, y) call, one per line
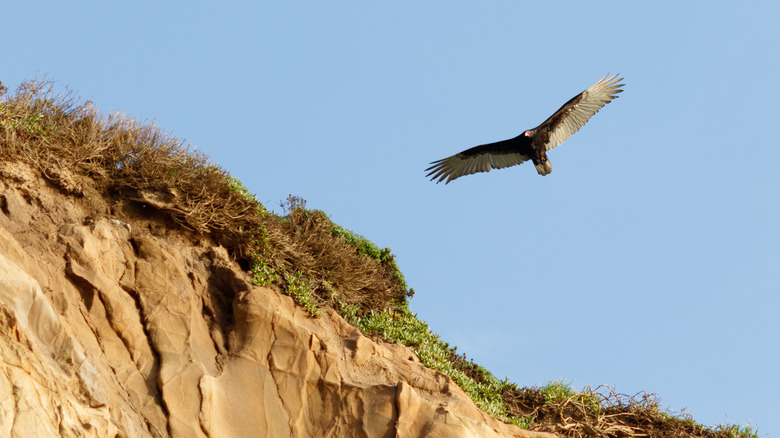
point(737, 431)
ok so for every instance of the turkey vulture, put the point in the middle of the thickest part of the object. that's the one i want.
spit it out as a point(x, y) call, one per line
point(532, 144)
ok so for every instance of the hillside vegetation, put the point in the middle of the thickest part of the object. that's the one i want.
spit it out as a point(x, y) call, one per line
point(301, 253)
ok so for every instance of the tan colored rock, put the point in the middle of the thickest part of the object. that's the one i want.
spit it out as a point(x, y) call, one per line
point(113, 328)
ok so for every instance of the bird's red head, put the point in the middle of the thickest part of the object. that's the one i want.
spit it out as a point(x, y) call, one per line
point(528, 133)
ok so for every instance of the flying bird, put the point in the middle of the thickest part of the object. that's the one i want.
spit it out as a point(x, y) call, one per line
point(532, 144)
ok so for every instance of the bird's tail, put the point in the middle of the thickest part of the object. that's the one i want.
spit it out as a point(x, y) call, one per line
point(544, 168)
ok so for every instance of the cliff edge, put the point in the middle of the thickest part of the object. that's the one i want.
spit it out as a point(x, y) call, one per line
point(116, 322)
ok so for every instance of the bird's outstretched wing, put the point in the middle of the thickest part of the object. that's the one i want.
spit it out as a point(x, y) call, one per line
point(577, 111)
point(555, 130)
point(477, 159)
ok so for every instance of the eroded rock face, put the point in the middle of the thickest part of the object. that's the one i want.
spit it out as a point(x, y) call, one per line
point(112, 328)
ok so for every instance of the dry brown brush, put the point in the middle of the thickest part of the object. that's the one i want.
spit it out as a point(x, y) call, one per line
point(603, 412)
point(303, 242)
point(86, 154)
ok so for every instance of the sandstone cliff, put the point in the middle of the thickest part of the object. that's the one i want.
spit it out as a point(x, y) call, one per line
point(114, 322)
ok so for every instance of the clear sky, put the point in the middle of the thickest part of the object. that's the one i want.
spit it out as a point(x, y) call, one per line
point(649, 260)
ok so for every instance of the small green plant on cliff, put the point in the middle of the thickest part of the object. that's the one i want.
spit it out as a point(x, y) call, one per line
point(557, 391)
point(302, 291)
point(560, 391)
point(30, 125)
point(262, 273)
point(737, 431)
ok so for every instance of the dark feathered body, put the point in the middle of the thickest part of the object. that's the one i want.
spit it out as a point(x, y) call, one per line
point(532, 144)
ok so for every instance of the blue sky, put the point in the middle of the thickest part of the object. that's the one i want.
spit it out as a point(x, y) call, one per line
point(649, 260)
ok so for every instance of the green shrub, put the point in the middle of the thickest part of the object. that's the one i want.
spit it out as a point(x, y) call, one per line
point(301, 290)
